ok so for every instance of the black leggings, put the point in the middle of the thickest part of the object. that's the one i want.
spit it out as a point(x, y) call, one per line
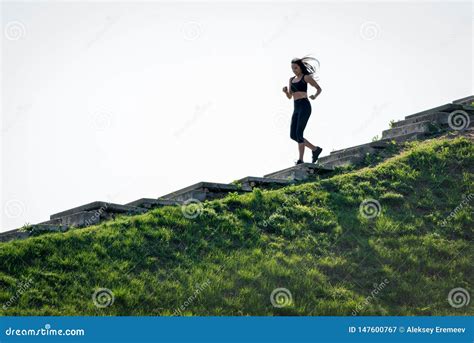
point(300, 119)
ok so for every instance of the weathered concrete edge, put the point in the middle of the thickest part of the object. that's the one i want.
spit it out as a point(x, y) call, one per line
point(96, 205)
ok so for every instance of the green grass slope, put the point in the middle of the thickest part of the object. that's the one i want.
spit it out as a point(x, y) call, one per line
point(310, 239)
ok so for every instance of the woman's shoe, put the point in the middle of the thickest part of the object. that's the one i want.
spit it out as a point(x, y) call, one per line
point(299, 162)
point(316, 153)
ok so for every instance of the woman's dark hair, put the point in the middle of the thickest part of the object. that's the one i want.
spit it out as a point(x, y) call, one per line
point(305, 64)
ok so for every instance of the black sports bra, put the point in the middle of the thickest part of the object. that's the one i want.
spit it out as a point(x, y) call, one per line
point(300, 86)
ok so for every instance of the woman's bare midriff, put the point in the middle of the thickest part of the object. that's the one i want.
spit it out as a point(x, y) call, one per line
point(299, 95)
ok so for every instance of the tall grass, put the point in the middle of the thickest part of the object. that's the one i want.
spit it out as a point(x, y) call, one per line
point(310, 239)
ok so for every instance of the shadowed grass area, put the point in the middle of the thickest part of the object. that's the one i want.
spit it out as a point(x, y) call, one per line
point(311, 239)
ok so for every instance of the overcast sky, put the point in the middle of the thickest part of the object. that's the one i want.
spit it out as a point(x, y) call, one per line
point(118, 101)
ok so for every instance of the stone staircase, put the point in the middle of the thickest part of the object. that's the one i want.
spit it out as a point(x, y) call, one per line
point(415, 126)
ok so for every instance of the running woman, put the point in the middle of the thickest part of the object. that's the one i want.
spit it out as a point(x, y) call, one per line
point(303, 71)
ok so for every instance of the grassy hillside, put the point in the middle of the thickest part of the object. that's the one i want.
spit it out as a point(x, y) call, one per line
point(311, 239)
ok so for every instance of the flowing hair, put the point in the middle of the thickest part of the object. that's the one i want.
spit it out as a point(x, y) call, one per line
point(309, 65)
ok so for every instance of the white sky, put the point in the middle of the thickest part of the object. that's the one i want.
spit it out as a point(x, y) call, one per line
point(117, 101)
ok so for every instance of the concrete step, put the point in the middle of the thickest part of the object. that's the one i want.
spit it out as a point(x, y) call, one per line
point(300, 172)
point(333, 161)
point(361, 147)
point(13, 235)
point(201, 191)
point(149, 203)
point(403, 138)
point(443, 108)
point(99, 206)
point(432, 116)
point(357, 153)
point(90, 214)
point(56, 221)
point(372, 147)
point(465, 101)
point(435, 117)
point(35, 228)
point(440, 113)
point(332, 157)
point(417, 127)
point(249, 182)
point(459, 119)
point(48, 228)
point(84, 218)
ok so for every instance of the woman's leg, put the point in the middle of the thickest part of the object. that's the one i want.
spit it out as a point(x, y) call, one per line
point(301, 150)
point(294, 130)
point(309, 145)
point(294, 122)
point(303, 116)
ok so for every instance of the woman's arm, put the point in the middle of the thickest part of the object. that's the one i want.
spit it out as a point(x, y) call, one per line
point(309, 79)
point(287, 90)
